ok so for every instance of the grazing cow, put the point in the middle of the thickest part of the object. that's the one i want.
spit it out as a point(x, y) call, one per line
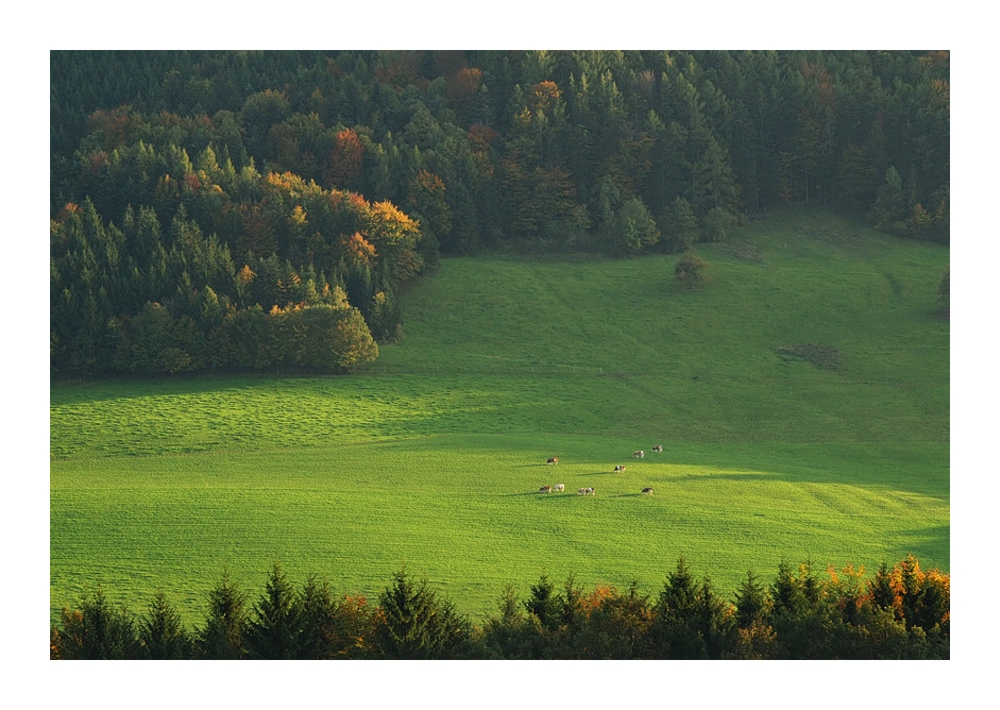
point(559, 487)
point(553, 461)
point(619, 469)
point(585, 491)
point(639, 454)
point(648, 491)
point(658, 449)
point(590, 492)
point(545, 489)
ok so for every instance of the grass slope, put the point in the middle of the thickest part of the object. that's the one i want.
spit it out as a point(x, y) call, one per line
point(432, 457)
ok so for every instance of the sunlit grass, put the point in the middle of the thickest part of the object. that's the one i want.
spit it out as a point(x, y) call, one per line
point(433, 459)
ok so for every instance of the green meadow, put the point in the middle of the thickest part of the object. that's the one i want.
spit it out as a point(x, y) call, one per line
point(801, 398)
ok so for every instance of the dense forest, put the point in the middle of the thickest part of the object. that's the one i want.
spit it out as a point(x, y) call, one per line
point(261, 210)
point(903, 612)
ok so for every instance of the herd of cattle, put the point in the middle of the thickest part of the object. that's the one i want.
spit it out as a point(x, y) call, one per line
point(620, 468)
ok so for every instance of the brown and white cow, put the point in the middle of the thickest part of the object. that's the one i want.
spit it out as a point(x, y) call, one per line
point(585, 491)
point(545, 489)
point(619, 469)
point(639, 454)
point(658, 449)
point(553, 461)
point(648, 491)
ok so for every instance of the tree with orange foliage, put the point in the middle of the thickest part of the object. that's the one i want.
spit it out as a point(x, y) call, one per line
point(462, 90)
point(617, 625)
point(257, 231)
point(357, 250)
point(395, 236)
point(545, 97)
point(343, 164)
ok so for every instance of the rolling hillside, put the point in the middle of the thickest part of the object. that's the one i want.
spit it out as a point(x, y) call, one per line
point(802, 398)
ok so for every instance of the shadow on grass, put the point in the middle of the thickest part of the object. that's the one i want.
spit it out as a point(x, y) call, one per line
point(918, 467)
point(78, 391)
point(931, 545)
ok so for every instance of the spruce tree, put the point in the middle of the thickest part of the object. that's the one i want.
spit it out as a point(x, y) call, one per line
point(274, 631)
point(317, 609)
point(751, 603)
point(161, 632)
point(98, 631)
point(223, 636)
point(679, 225)
point(544, 603)
point(787, 595)
point(414, 624)
point(675, 630)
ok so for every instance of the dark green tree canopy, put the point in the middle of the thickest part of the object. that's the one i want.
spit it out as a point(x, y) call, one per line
point(212, 182)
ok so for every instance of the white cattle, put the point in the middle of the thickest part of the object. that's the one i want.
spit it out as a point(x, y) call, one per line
point(559, 487)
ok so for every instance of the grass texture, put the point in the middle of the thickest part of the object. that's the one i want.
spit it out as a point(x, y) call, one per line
point(801, 397)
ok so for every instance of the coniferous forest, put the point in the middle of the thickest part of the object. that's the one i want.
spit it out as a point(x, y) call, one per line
point(260, 211)
point(901, 613)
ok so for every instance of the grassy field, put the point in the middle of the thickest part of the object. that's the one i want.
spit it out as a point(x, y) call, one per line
point(432, 456)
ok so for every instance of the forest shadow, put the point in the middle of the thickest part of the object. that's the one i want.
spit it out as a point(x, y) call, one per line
point(127, 387)
point(928, 543)
point(921, 468)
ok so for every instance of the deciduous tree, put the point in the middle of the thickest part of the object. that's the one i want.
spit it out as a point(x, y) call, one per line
point(690, 269)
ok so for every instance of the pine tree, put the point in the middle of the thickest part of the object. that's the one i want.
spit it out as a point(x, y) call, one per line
point(317, 614)
point(223, 636)
point(751, 603)
point(679, 225)
point(544, 603)
point(675, 633)
point(414, 624)
point(712, 180)
point(98, 631)
point(274, 631)
point(161, 632)
point(882, 588)
point(786, 592)
point(890, 203)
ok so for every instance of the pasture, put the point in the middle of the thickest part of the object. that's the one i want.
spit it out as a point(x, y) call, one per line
point(434, 456)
